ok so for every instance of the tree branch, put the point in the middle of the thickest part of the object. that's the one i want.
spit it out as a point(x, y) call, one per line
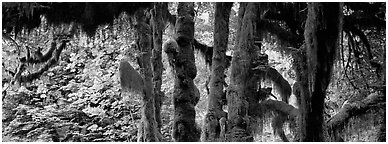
point(53, 60)
point(354, 109)
point(38, 58)
point(280, 84)
point(281, 107)
point(284, 112)
point(282, 34)
point(207, 53)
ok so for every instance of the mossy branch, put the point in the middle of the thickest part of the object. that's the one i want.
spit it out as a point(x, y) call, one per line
point(356, 108)
point(52, 61)
point(40, 58)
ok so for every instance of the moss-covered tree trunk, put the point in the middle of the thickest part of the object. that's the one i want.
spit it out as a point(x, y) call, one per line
point(300, 88)
point(144, 43)
point(185, 95)
point(323, 25)
point(157, 65)
point(241, 83)
point(211, 129)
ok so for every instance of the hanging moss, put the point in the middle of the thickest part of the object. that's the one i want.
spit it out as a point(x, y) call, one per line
point(17, 16)
point(281, 85)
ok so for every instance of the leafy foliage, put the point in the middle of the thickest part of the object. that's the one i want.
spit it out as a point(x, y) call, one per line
point(77, 100)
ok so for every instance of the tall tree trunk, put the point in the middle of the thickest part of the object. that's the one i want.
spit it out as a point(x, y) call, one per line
point(157, 65)
point(144, 42)
point(323, 25)
point(241, 83)
point(185, 95)
point(300, 89)
point(211, 129)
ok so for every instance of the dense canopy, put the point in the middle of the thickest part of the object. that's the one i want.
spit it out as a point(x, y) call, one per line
point(89, 15)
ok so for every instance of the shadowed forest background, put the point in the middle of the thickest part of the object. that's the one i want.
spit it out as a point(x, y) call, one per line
point(193, 71)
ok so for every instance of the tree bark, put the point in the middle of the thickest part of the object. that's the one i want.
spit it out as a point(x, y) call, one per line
point(242, 85)
point(144, 42)
point(300, 88)
point(157, 65)
point(381, 136)
point(211, 130)
point(185, 95)
point(323, 25)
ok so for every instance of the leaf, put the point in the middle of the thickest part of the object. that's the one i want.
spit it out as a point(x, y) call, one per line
point(42, 89)
point(28, 127)
point(93, 127)
point(94, 111)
